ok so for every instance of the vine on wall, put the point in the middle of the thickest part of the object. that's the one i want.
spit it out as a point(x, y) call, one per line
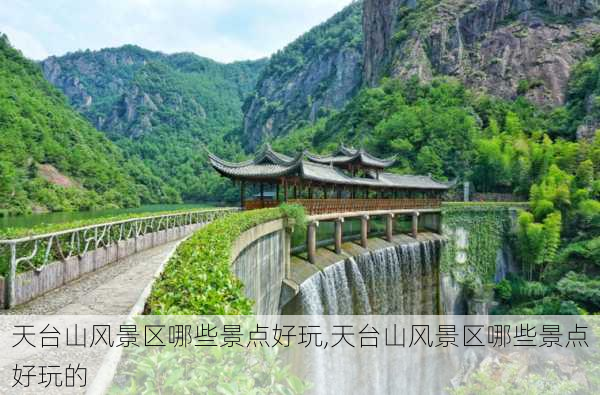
point(487, 230)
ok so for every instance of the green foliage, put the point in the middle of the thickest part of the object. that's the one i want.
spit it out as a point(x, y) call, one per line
point(504, 290)
point(525, 86)
point(255, 369)
point(581, 289)
point(162, 110)
point(510, 379)
point(583, 92)
point(538, 242)
point(584, 177)
point(484, 230)
point(197, 280)
point(38, 127)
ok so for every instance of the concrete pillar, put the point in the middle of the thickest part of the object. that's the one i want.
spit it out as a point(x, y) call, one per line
point(338, 235)
point(364, 230)
point(311, 241)
point(389, 227)
point(415, 224)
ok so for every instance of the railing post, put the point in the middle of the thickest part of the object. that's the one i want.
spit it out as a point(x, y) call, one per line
point(9, 291)
point(389, 227)
point(364, 230)
point(338, 235)
point(415, 224)
point(287, 248)
point(311, 241)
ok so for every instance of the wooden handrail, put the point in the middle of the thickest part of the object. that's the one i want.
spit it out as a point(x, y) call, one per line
point(327, 206)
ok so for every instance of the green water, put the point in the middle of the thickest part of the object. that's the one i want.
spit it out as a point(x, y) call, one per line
point(28, 221)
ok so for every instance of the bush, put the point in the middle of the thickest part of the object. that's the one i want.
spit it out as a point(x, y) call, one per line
point(504, 290)
point(197, 279)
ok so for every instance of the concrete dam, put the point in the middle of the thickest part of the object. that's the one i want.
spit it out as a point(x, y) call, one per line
point(403, 275)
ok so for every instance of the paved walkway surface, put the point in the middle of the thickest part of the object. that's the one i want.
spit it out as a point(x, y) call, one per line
point(112, 290)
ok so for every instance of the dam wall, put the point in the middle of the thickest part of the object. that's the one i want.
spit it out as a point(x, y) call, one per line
point(261, 260)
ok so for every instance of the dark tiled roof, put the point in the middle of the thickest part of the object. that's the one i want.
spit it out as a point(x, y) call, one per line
point(269, 164)
point(350, 155)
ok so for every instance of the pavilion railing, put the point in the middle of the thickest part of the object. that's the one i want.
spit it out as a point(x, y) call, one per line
point(34, 253)
point(258, 203)
point(327, 206)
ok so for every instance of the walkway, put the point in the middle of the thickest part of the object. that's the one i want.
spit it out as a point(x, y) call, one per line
point(112, 290)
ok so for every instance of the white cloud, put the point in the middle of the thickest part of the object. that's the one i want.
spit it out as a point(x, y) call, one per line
point(224, 30)
point(25, 42)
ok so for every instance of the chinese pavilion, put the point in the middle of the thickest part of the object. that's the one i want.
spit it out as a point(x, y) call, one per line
point(347, 180)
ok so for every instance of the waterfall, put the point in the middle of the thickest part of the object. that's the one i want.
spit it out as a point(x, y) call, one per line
point(401, 279)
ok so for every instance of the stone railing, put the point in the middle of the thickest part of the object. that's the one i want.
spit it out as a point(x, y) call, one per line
point(40, 263)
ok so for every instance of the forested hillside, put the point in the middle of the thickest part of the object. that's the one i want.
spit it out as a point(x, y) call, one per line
point(502, 94)
point(161, 108)
point(51, 158)
point(315, 74)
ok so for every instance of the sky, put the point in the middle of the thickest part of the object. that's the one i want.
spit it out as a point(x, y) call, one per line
point(224, 30)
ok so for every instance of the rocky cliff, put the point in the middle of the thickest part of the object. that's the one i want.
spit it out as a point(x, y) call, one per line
point(318, 72)
point(130, 90)
point(507, 47)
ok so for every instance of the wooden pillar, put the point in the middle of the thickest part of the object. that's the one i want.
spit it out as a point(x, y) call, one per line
point(310, 192)
point(295, 192)
point(389, 227)
point(339, 192)
point(285, 191)
point(338, 235)
point(242, 192)
point(324, 192)
point(311, 241)
point(262, 191)
point(364, 230)
point(415, 224)
point(277, 191)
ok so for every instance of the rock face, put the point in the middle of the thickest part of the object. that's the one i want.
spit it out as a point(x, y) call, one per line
point(506, 47)
point(129, 90)
point(319, 72)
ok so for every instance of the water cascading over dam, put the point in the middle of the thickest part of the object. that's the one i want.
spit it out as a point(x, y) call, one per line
point(400, 279)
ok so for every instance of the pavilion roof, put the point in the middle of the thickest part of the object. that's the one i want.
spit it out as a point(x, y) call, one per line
point(345, 155)
point(270, 165)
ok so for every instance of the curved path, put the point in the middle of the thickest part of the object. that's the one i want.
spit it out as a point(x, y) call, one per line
point(111, 290)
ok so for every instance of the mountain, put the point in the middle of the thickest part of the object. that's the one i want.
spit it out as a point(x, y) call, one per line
point(160, 108)
point(317, 73)
point(53, 159)
point(508, 48)
point(440, 75)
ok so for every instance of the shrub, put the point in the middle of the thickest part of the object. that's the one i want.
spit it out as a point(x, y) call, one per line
point(197, 280)
point(504, 290)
